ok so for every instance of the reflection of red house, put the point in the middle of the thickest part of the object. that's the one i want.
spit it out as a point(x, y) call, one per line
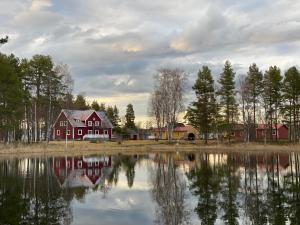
point(80, 171)
point(263, 130)
point(77, 123)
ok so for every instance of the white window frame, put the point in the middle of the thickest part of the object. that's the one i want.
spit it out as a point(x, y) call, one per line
point(97, 172)
point(79, 164)
point(90, 164)
point(90, 172)
point(273, 132)
point(105, 131)
point(79, 131)
point(97, 123)
point(97, 163)
point(65, 123)
point(96, 131)
point(57, 132)
point(68, 132)
point(90, 131)
point(61, 123)
point(90, 123)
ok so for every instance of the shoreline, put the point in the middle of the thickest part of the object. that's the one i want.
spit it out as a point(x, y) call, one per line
point(76, 148)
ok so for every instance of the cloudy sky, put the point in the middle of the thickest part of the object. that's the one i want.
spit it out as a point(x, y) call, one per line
point(113, 47)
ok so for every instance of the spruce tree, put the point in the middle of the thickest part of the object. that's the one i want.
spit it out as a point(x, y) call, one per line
point(227, 93)
point(202, 112)
point(95, 106)
point(129, 117)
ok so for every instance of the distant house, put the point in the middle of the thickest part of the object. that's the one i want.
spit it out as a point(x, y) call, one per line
point(76, 123)
point(263, 130)
point(181, 131)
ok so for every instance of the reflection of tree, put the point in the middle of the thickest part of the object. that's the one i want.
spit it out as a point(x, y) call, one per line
point(205, 183)
point(169, 193)
point(254, 203)
point(230, 185)
point(31, 196)
point(127, 163)
point(276, 198)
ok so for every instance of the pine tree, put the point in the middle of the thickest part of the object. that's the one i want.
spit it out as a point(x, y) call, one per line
point(202, 112)
point(272, 92)
point(291, 96)
point(254, 81)
point(227, 98)
point(80, 103)
point(129, 117)
point(116, 120)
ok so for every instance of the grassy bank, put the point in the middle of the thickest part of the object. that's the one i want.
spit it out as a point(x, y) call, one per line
point(58, 148)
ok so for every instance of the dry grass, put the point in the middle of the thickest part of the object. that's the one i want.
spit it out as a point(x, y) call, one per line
point(58, 148)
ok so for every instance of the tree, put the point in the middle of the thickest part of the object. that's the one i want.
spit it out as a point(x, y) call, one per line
point(80, 103)
point(291, 96)
point(11, 95)
point(202, 112)
point(129, 117)
point(227, 98)
point(254, 82)
point(167, 98)
point(102, 107)
point(272, 94)
point(95, 106)
point(4, 40)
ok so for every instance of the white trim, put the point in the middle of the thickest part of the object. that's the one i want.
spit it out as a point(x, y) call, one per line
point(68, 132)
point(90, 123)
point(79, 133)
point(57, 132)
point(57, 118)
point(90, 131)
point(96, 131)
point(105, 131)
point(79, 164)
point(97, 123)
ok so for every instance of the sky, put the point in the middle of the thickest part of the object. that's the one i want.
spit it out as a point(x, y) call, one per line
point(114, 47)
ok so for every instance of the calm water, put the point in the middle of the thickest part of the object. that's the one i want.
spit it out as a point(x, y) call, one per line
point(169, 189)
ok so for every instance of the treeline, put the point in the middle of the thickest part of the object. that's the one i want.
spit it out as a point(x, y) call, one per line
point(270, 98)
point(32, 92)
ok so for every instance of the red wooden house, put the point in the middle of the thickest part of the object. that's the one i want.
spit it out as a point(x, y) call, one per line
point(77, 123)
point(263, 130)
point(81, 171)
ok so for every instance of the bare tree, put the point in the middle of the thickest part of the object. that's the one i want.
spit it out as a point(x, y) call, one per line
point(167, 98)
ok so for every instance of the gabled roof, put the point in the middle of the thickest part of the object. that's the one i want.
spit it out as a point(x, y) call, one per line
point(76, 117)
point(267, 126)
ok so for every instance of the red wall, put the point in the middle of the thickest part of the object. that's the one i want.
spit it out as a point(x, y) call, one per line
point(94, 117)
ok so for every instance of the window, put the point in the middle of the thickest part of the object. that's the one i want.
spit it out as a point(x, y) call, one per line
point(90, 164)
point(105, 131)
point(79, 132)
point(90, 132)
point(90, 123)
point(68, 132)
point(273, 132)
point(96, 163)
point(97, 123)
point(90, 172)
point(65, 123)
point(79, 164)
point(61, 123)
point(57, 132)
point(96, 131)
point(97, 172)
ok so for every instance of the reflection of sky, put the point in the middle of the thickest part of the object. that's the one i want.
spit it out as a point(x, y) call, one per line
point(121, 205)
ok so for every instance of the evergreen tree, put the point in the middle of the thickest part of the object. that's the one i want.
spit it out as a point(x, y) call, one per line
point(202, 112)
point(227, 98)
point(102, 107)
point(254, 81)
point(95, 106)
point(80, 103)
point(291, 96)
point(129, 117)
point(272, 94)
point(116, 120)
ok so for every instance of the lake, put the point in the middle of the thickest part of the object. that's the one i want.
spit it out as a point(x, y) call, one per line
point(163, 188)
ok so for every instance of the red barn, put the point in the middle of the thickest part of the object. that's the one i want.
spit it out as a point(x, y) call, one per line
point(264, 129)
point(77, 123)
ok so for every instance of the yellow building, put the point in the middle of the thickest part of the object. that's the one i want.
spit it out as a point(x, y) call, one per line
point(180, 132)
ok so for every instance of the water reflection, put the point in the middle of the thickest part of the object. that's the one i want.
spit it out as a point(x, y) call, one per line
point(164, 189)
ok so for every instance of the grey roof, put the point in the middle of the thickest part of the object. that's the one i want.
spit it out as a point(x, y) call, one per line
point(77, 116)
